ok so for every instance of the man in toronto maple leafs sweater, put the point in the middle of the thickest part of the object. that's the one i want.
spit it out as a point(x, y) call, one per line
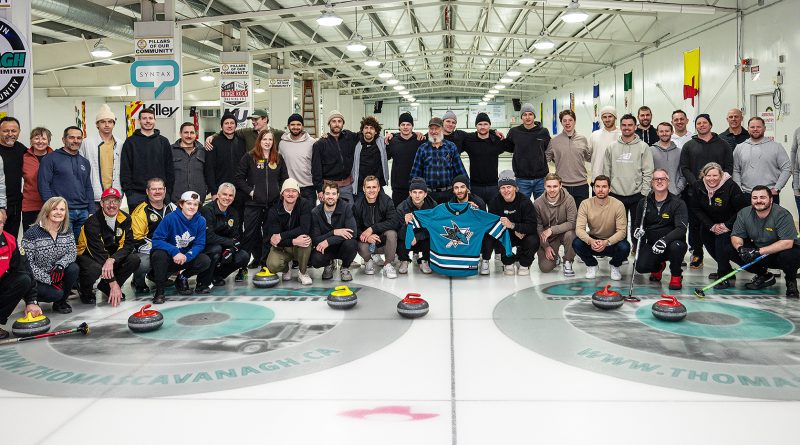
point(178, 244)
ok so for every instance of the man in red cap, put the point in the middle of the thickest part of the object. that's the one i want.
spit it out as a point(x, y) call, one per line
point(105, 250)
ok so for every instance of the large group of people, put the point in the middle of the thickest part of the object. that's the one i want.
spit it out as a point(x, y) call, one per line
point(259, 197)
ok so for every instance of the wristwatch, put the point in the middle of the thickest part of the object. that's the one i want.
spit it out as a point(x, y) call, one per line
point(36, 302)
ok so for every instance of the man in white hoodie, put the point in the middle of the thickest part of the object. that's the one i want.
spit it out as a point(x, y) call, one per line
point(759, 161)
point(296, 147)
point(103, 150)
point(600, 139)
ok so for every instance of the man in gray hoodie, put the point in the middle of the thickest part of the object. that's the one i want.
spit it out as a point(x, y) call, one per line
point(759, 161)
point(296, 146)
point(667, 155)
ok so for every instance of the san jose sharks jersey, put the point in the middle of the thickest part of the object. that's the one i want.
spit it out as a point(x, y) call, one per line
point(456, 232)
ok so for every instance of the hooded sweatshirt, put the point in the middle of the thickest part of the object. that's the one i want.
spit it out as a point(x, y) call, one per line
point(221, 162)
point(761, 163)
point(560, 217)
point(177, 234)
point(696, 153)
point(599, 141)
point(402, 153)
point(528, 146)
point(670, 160)
point(520, 211)
point(570, 155)
point(376, 159)
point(484, 157)
point(69, 176)
point(144, 157)
point(297, 156)
point(630, 167)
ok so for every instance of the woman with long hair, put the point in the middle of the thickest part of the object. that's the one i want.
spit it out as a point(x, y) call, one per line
point(259, 178)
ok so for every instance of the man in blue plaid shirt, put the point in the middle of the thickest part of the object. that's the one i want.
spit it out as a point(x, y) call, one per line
point(438, 162)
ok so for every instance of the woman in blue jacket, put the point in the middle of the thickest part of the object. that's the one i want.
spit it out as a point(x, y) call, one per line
point(178, 243)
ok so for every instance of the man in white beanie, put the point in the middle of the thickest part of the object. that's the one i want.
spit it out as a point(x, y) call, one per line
point(602, 138)
point(102, 150)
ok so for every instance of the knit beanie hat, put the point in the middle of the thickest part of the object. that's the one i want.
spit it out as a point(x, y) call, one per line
point(461, 178)
point(450, 115)
point(406, 118)
point(335, 113)
point(527, 108)
point(105, 113)
point(507, 178)
point(418, 184)
point(704, 116)
point(290, 183)
point(482, 117)
point(225, 117)
point(608, 109)
point(295, 118)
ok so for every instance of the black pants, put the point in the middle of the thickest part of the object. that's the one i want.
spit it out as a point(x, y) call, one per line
point(48, 293)
point(28, 218)
point(696, 229)
point(423, 246)
point(486, 192)
point(526, 249)
point(163, 266)
point(15, 285)
point(255, 229)
point(720, 248)
point(310, 194)
point(13, 218)
point(399, 195)
point(217, 270)
point(135, 198)
point(579, 192)
point(90, 271)
point(630, 202)
point(651, 262)
point(345, 251)
point(787, 261)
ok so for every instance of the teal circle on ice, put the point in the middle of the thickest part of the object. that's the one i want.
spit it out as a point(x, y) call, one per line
point(197, 321)
point(721, 321)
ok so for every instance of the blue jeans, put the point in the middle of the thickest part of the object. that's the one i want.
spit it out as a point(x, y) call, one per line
point(618, 252)
point(797, 202)
point(530, 187)
point(76, 220)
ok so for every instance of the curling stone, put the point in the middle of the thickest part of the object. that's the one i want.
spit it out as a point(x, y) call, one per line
point(342, 298)
point(146, 320)
point(607, 299)
point(412, 306)
point(669, 309)
point(265, 279)
point(28, 326)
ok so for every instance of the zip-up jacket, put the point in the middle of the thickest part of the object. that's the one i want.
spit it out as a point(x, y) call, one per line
point(484, 156)
point(529, 146)
point(289, 225)
point(649, 136)
point(520, 211)
point(670, 222)
point(696, 153)
point(31, 199)
point(44, 252)
point(357, 176)
point(670, 160)
point(144, 220)
point(761, 163)
point(342, 218)
point(90, 149)
point(560, 217)
point(570, 155)
point(380, 216)
point(722, 207)
point(189, 171)
point(298, 155)
point(221, 162)
point(408, 206)
point(261, 178)
point(630, 167)
point(177, 234)
point(99, 242)
point(69, 176)
point(145, 157)
point(221, 227)
point(332, 158)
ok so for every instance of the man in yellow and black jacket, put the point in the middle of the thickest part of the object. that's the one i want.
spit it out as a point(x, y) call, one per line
point(105, 250)
point(145, 218)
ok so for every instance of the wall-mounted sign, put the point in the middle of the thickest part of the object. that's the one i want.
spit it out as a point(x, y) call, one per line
point(234, 92)
point(234, 70)
point(15, 63)
point(280, 83)
point(158, 74)
point(155, 46)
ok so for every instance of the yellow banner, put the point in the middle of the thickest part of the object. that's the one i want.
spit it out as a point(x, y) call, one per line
point(691, 74)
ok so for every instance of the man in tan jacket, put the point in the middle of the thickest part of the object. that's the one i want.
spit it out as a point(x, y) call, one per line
point(570, 152)
point(600, 228)
point(555, 220)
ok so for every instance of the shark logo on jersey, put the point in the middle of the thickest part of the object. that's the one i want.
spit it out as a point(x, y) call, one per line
point(456, 235)
point(183, 240)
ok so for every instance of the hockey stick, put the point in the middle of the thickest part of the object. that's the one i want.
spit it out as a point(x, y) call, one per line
point(702, 292)
point(83, 329)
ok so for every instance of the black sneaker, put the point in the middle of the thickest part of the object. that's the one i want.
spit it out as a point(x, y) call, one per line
point(144, 289)
point(761, 281)
point(714, 276)
point(202, 290)
point(87, 297)
point(724, 284)
point(182, 285)
point(240, 277)
point(62, 307)
point(791, 289)
point(696, 263)
point(4, 334)
point(217, 282)
point(159, 297)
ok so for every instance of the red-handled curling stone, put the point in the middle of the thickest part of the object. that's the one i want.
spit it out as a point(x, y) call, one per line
point(669, 309)
point(342, 298)
point(29, 325)
point(146, 320)
point(607, 299)
point(412, 306)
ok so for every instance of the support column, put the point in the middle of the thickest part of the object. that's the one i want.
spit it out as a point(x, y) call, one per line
point(16, 80)
point(281, 97)
point(236, 85)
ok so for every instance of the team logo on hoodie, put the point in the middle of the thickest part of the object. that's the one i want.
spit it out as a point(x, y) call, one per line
point(184, 240)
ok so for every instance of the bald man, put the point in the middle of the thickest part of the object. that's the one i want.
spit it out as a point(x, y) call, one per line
point(735, 134)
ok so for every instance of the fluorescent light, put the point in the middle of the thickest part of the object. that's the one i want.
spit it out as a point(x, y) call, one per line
point(385, 74)
point(481, 103)
point(328, 17)
point(543, 44)
point(506, 80)
point(574, 13)
point(101, 51)
point(372, 62)
point(399, 87)
point(115, 87)
point(499, 86)
point(356, 45)
point(490, 96)
point(527, 58)
point(392, 82)
point(494, 92)
point(513, 73)
point(259, 90)
point(411, 98)
point(205, 76)
point(405, 93)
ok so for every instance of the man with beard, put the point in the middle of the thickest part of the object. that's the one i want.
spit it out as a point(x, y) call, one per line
point(484, 149)
point(289, 233)
point(103, 152)
point(518, 216)
point(556, 215)
point(600, 139)
point(735, 134)
point(437, 162)
point(401, 149)
point(369, 157)
point(260, 120)
point(529, 142)
point(667, 155)
point(704, 147)
point(681, 134)
point(66, 173)
point(377, 221)
point(767, 228)
point(760, 161)
point(570, 151)
point(145, 154)
point(11, 154)
point(297, 147)
point(333, 233)
point(646, 132)
point(332, 158)
point(418, 199)
point(462, 193)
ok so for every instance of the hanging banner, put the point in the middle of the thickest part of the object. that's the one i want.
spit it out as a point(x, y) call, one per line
point(596, 107)
point(691, 76)
point(541, 112)
point(80, 115)
point(628, 88)
point(155, 46)
point(234, 92)
point(572, 102)
point(131, 110)
point(234, 70)
point(555, 118)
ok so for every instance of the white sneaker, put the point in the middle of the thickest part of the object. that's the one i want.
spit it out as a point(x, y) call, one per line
point(523, 270)
point(591, 272)
point(509, 270)
point(304, 279)
point(484, 267)
point(616, 275)
point(403, 269)
point(377, 259)
point(425, 267)
point(287, 276)
point(369, 267)
point(567, 266)
point(389, 271)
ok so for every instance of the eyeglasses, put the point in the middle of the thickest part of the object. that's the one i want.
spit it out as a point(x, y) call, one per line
point(660, 179)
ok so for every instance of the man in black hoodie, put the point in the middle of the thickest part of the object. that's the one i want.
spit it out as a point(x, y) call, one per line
point(518, 215)
point(377, 221)
point(704, 147)
point(484, 149)
point(333, 233)
point(146, 154)
point(401, 149)
point(418, 199)
point(529, 143)
point(646, 132)
point(222, 161)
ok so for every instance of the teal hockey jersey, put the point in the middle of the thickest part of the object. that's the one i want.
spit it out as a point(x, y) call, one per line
point(456, 232)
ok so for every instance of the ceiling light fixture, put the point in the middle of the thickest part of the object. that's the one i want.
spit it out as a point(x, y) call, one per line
point(399, 87)
point(372, 62)
point(206, 76)
point(513, 73)
point(357, 44)
point(574, 13)
point(259, 90)
point(490, 96)
point(527, 58)
point(385, 74)
point(328, 17)
point(101, 51)
point(506, 80)
point(494, 92)
point(482, 103)
point(499, 86)
point(392, 82)
point(543, 43)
